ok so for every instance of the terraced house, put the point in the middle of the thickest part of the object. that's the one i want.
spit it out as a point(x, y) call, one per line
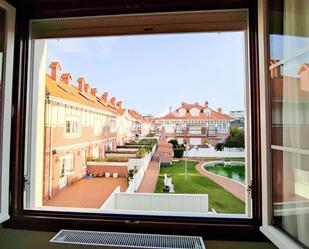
point(79, 124)
point(196, 125)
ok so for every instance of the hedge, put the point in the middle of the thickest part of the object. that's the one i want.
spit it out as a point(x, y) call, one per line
point(178, 152)
point(108, 159)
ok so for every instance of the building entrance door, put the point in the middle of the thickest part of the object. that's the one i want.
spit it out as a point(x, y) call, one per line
point(63, 179)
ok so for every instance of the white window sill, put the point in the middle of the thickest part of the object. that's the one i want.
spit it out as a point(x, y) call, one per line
point(279, 238)
point(4, 217)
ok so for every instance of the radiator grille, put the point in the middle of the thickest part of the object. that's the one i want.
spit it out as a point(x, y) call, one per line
point(128, 240)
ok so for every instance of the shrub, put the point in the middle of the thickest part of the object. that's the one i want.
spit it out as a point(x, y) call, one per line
point(141, 152)
point(178, 152)
point(219, 147)
point(108, 159)
point(122, 152)
point(132, 172)
point(174, 142)
point(236, 138)
point(130, 146)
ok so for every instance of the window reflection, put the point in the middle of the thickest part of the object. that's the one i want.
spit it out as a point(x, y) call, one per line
point(289, 89)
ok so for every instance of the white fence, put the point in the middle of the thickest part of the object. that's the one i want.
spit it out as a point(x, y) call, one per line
point(139, 163)
point(128, 155)
point(110, 201)
point(142, 163)
point(90, 163)
point(188, 203)
point(211, 152)
point(134, 184)
point(127, 149)
point(233, 149)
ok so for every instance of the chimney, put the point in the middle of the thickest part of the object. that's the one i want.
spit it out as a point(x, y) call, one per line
point(112, 101)
point(104, 97)
point(220, 109)
point(67, 78)
point(119, 104)
point(196, 103)
point(170, 109)
point(81, 84)
point(86, 87)
point(304, 77)
point(93, 91)
point(55, 70)
point(183, 103)
point(206, 104)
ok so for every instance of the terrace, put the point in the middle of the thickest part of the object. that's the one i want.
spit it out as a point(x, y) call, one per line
point(106, 175)
point(87, 193)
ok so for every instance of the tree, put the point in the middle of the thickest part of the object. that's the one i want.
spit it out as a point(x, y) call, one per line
point(219, 146)
point(174, 142)
point(178, 152)
point(236, 138)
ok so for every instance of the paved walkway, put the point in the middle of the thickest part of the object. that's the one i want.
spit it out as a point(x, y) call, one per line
point(233, 187)
point(87, 193)
point(148, 184)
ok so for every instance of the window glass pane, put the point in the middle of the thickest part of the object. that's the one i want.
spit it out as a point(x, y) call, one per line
point(289, 90)
point(148, 122)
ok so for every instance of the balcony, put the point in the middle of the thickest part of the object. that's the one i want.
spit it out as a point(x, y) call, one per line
point(196, 132)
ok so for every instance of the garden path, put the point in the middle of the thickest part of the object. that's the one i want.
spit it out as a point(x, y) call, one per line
point(148, 184)
point(234, 187)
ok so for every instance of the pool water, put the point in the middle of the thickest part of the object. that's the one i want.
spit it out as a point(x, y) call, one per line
point(236, 171)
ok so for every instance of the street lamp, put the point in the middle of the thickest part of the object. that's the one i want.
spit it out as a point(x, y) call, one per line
point(186, 144)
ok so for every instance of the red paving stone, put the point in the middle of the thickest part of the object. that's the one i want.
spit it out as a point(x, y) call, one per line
point(87, 193)
point(233, 187)
point(148, 184)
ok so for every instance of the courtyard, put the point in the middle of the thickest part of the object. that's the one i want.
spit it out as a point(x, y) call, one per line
point(191, 181)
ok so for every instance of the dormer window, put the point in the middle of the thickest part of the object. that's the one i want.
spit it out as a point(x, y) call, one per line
point(194, 111)
point(182, 112)
point(207, 112)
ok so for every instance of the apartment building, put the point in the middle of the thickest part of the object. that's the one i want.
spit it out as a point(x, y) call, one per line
point(196, 125)
point(78, 124)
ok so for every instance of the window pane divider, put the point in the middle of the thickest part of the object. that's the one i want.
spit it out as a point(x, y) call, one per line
point(290, 149)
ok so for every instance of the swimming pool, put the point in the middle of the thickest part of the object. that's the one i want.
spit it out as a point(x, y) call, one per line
point(235, 170)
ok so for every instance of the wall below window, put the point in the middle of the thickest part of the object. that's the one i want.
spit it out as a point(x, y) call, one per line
point(12, 239)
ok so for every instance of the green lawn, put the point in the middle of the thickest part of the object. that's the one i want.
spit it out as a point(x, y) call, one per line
point(238, 159)
point(195, 183)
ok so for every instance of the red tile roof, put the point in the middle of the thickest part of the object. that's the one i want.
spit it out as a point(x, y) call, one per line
point(61, 90)
point(165, 147)
point(136, 115)
point(215, 115)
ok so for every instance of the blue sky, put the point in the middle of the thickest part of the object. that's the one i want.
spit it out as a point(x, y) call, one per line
point(154, 72)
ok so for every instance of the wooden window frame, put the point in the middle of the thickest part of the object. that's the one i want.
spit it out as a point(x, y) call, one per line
point(210, 228)
point(5, 105)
